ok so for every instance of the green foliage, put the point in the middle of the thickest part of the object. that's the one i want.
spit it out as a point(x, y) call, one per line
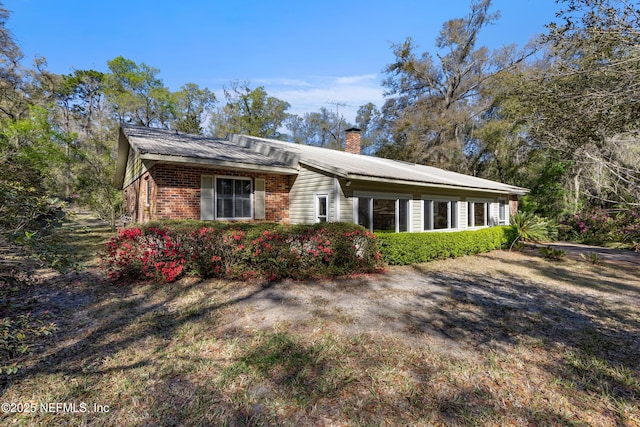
point(14, 100)
point(581, 107)
point(530, 227)
point(593, 258)
point(35, 142)
point(24, 204)
point(548, 196)
point(250, 111)
point(94, 174)
point(435, 101)
point(165, 250)
point(551, 253)
point(137, 94)
point(414, 248)
point(192, 103)
point(19, 327)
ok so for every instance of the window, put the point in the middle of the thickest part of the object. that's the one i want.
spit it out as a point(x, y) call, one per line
point(147, 188)
point(477, 214)
point(403, 215)
point(440, 214)
point(502, 212)
point(322, 208)
point(233, 198)
point(383, 214)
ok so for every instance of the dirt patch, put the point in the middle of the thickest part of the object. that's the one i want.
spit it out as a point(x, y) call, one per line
point(454, 304)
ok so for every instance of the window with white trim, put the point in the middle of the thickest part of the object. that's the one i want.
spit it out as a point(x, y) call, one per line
point(478, 214)
point(382, 214)
point(439, 214)
point(322, 207)
point(233, 198)
point(503, 212)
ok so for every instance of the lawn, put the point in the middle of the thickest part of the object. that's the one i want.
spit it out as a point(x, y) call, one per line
point(505, 338)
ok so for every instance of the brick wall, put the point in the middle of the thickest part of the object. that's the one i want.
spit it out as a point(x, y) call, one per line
point(513, 204)
point(175, 193)
point(352, 141)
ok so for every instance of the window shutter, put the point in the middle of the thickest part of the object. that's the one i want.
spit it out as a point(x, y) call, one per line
point(259, 202)
point(206, 198)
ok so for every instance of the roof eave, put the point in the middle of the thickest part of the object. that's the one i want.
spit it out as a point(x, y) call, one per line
point(121, 160)
point(340, 173)
point(511, 190)
point(197, 161)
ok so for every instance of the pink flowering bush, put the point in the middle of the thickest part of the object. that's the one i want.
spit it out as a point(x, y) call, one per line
point(151, 253)
point(600, 227)
point(269, 251)
point(217, 253)
point(320, 250)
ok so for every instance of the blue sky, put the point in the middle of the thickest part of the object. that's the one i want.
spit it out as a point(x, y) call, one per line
point(308, 53)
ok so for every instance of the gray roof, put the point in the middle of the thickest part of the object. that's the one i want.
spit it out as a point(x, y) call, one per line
point(162, 144)
point(285, 157)
point(370, 168)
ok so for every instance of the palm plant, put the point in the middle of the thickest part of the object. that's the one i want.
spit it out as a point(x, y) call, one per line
point(530, 227)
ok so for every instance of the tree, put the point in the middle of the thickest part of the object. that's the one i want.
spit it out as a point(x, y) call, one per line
point(13, 102)
point(323, 129)
point(82, 97)
point(584, 106)
point(250, 111)
point(95, 177)
point(137, 95)
point(369, 120)
point(90, 169)
point(435, 101)
point(192, 106)
point(436, 105)
point(37, 142)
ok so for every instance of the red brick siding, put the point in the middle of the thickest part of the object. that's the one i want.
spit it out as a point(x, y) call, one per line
point(176, 193)
point(352, 142)
point(513, 204)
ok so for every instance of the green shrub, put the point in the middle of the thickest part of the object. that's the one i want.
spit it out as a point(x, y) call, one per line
point(552, 253)
point(414, 248)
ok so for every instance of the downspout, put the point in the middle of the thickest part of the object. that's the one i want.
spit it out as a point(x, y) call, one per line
point(336, 199)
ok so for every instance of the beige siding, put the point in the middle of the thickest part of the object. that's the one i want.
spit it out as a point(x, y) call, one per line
point(416, 214)
point(462, 215)
point(307, 184)
point(493, 212)
point(346, 207)
point(310, 182)
point(135, 167)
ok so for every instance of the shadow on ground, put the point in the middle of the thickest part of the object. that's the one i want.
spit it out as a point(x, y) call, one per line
point(586, 314)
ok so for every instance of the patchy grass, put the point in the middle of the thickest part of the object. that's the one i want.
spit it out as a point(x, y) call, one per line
point(76, 243)
point(497, 339)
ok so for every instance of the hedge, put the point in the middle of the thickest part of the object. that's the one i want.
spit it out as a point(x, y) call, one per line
point(164, 251)
point(414, 248)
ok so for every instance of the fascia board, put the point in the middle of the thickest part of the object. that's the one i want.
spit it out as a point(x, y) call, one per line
point(279, 170)
point(514, 190)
